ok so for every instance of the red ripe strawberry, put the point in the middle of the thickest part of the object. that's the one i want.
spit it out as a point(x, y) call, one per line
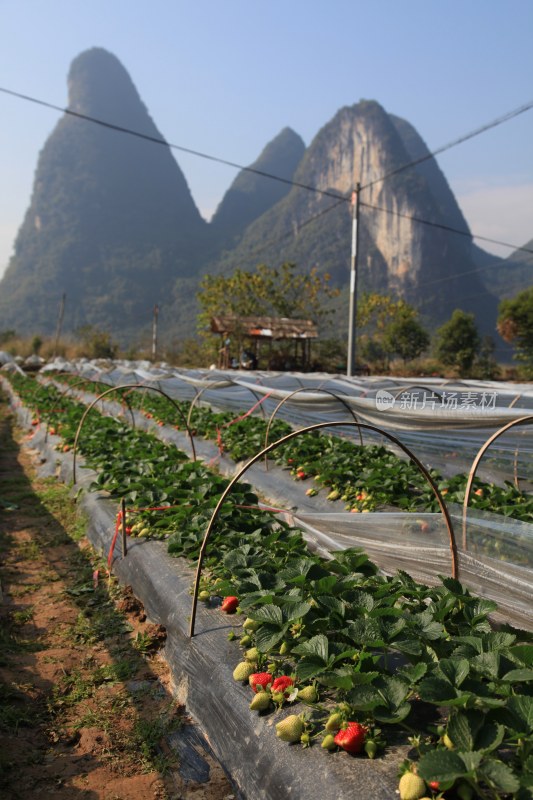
point(229, 604)
point(260, 680)
point(351, 738)
point(434, 786)
point(281, 685)
point(301, 475)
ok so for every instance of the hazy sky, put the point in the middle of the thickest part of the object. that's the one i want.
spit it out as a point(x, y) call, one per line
point(225, 77)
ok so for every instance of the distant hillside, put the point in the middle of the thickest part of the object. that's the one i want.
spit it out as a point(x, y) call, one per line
point(426, 264)
point(507, 277)
point(251, 194)
point(112, 222)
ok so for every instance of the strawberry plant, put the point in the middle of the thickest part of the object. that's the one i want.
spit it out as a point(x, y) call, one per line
point(382, 656)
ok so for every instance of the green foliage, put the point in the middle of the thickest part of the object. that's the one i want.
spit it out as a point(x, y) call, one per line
point(344, 622)
point(389, 326)
point(515, 324)
point(485, 366)
point(267, 291)
point(457, 341)
point(36, 344)
point(406, 338)
point(98, 344)
point(7, 336)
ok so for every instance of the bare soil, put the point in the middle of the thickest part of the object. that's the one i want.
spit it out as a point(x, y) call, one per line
point(86, 705)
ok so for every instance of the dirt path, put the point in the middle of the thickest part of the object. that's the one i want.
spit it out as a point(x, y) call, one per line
point(86, 711)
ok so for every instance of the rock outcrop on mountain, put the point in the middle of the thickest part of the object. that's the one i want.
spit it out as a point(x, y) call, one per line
point(404, 247)
point(111, 221)
point(252, 194)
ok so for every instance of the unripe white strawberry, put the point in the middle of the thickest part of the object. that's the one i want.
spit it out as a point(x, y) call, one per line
point(243, 670)
point(290, 729)
point(308, 694)
point(252, 654)
point(260, 702)
point(411, 787)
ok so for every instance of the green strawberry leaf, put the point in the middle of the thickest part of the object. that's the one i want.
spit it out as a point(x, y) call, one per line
point(436, 690)
point(471, 760)
point(267, 638)
point(518, 713)
point(462, 731)
point(317, 646)
point(364, 698)
point(499, 775)
point(523, 653)
point(453, 670)
point(441, 765)
point(518, 675)
point(392, 717)
point(413, 673)
point(270, 613)
point(296, 610)
point(490, 737)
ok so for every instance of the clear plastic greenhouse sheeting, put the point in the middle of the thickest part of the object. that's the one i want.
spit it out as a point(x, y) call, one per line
point(497, 564)
point(495, 561)
point(444, 423)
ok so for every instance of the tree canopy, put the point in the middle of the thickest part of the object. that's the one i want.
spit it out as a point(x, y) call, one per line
point(457, 341)
point(268, 291)
point(515, 325)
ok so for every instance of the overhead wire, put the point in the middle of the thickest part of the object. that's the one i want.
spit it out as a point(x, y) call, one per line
point(495, 122)
point(327, 193)
point(280, 237)
point(158, 140)
point(448, 228)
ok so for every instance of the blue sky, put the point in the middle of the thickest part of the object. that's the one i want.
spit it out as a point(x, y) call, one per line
point(225, 77)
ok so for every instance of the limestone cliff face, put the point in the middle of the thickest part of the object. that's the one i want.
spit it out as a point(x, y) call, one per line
point(397, 252)
point(112, 222)
point(361, 144)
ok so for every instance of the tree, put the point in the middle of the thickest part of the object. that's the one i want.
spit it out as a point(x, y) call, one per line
point(388, 326)
point(96, 344)
point(515, 325)
point(268, 291)
point(457, 341)
point(406, 337)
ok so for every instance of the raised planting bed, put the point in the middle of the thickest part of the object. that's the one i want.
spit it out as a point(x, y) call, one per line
point(363, 478)
point(419, 668)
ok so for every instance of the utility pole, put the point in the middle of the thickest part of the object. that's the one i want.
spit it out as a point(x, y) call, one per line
point(352, 321)
point(59, 323)
point(154, 332)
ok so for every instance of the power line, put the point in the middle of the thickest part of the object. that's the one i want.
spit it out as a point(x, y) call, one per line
point(289, 182)
point(157, 140)
point(445, 227)
point(457, 275)
point(495, 122)
point(291, 232)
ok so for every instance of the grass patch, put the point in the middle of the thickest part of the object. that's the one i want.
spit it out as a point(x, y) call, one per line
point(22, 617)
point(56, 498)
point(29, 551)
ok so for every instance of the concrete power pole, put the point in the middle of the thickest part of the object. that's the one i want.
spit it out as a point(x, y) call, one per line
point(352, 321)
